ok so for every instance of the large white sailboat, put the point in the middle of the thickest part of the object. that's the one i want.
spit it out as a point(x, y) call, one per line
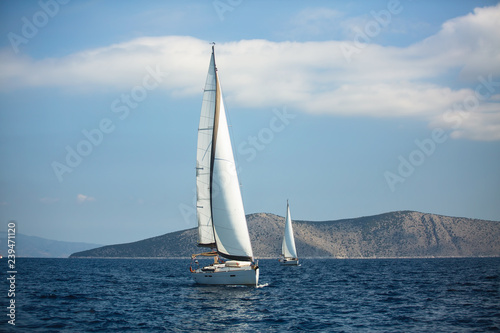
point(222, 224)
point(288, 250)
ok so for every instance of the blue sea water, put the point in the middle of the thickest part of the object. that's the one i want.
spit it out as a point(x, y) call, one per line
point(158, 295)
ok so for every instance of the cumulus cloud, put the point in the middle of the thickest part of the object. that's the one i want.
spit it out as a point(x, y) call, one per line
point(471, 119)
point(425, 79)
point(80, 198)
point(119, 66)
point(469, 43)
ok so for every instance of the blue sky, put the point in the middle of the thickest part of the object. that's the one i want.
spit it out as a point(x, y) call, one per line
point(346, 109)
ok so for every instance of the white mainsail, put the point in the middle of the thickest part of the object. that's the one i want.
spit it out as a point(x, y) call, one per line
point(288, 246)
point(203, 160)
point(219, 202)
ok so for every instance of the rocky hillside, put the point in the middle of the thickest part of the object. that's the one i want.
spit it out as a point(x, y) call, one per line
point(390, 235)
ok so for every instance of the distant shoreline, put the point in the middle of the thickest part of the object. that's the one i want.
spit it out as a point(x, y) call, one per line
point(305, 258)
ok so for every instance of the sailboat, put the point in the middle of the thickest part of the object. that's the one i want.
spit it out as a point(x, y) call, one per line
point(222, 225)
point(288, 250)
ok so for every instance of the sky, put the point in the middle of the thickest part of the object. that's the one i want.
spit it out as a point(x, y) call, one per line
point(345, 108)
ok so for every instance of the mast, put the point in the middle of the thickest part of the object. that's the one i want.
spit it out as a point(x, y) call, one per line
point(214, 134)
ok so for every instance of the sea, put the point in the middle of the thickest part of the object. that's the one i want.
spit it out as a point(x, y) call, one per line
point(321, 295)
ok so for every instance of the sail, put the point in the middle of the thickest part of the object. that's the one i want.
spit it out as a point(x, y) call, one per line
point(288, 246)
point(221, 216)
point(228, 215)
point(203, 160)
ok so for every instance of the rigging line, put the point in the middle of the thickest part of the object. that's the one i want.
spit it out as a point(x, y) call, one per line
point(206, 150)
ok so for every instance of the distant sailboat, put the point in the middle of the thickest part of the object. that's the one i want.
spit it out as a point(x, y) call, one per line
point(222, 224)
point(288, 250)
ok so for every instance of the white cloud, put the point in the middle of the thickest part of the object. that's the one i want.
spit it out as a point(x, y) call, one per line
point(471, 119)
point(382, 81)
point(80, 198)
point(479, 126)
point(470, 42)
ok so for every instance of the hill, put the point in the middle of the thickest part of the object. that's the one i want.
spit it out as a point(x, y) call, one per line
point(32, 246)
point(391, 235)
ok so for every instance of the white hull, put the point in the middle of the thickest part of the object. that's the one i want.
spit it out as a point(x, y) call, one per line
point(220, 274)
point(289, 262)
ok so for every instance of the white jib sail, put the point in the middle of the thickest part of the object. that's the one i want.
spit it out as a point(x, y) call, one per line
point(288, 246)
point(230, 225)
point(203, 160)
